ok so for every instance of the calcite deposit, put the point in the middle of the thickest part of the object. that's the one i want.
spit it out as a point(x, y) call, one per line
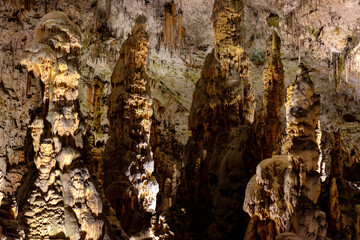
point(63, 203)
point(169, 119)
point(273, 98)
point(129, 163)
point(219, 152)
point(286, 188)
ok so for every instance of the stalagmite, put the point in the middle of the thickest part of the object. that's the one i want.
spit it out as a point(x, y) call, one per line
point(274, 97)
point(294, 185)
point(130, 165)
point(63, 203)
point(218, 152)
point(303, 187)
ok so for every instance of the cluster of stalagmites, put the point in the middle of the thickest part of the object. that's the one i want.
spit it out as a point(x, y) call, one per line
point(282, 196)
point(64, 202)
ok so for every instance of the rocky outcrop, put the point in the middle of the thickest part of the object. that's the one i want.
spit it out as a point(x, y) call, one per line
point(63, 202)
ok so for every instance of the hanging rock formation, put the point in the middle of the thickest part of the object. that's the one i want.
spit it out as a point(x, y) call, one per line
point(64, 202)
point(129, 182)
point(173, 31)
point(219, 154)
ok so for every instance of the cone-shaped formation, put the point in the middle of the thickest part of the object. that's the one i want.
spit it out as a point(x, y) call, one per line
point(273, 98)
point(219, 152)
point(64, 202)
point(128, 164)
point(285, 189)
point(302, 180)
point(223, 96)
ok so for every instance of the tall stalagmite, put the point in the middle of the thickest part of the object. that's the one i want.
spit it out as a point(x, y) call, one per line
point(282, 196)
point(273, 98)
point(129, 182)
point(303, 184)
point(63, 202)
point(219, 154)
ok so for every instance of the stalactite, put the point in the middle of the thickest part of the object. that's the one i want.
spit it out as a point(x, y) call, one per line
point(346, 65)
point(173, 25)
point(337, 73)
point(27, 4)
point(299, 46)
point(180, 29)
point(168, 24)
point(108, 8)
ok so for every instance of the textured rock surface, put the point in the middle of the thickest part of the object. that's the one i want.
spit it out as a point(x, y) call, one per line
point(285, 189)
point(219, 152)
point(63, 203)
point(303, 187)
point(222, 154)
point(273, 98)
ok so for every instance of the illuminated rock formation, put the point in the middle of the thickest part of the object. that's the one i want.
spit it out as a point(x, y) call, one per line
point(128, 160)
point(64, 202)
point(66, 173)
point(273, 98)
point(265, 191)
point(302, 187)
point(264, 199)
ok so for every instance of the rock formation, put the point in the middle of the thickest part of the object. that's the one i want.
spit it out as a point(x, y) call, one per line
point(273, 98)
point(151, 125)
point(218, 153)
point(303, 181)
point(282, 196)
point(64, 202)
point(129, 182)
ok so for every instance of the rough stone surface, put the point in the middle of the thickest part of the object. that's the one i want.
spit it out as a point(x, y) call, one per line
point(83, 39)
point(63, 203)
